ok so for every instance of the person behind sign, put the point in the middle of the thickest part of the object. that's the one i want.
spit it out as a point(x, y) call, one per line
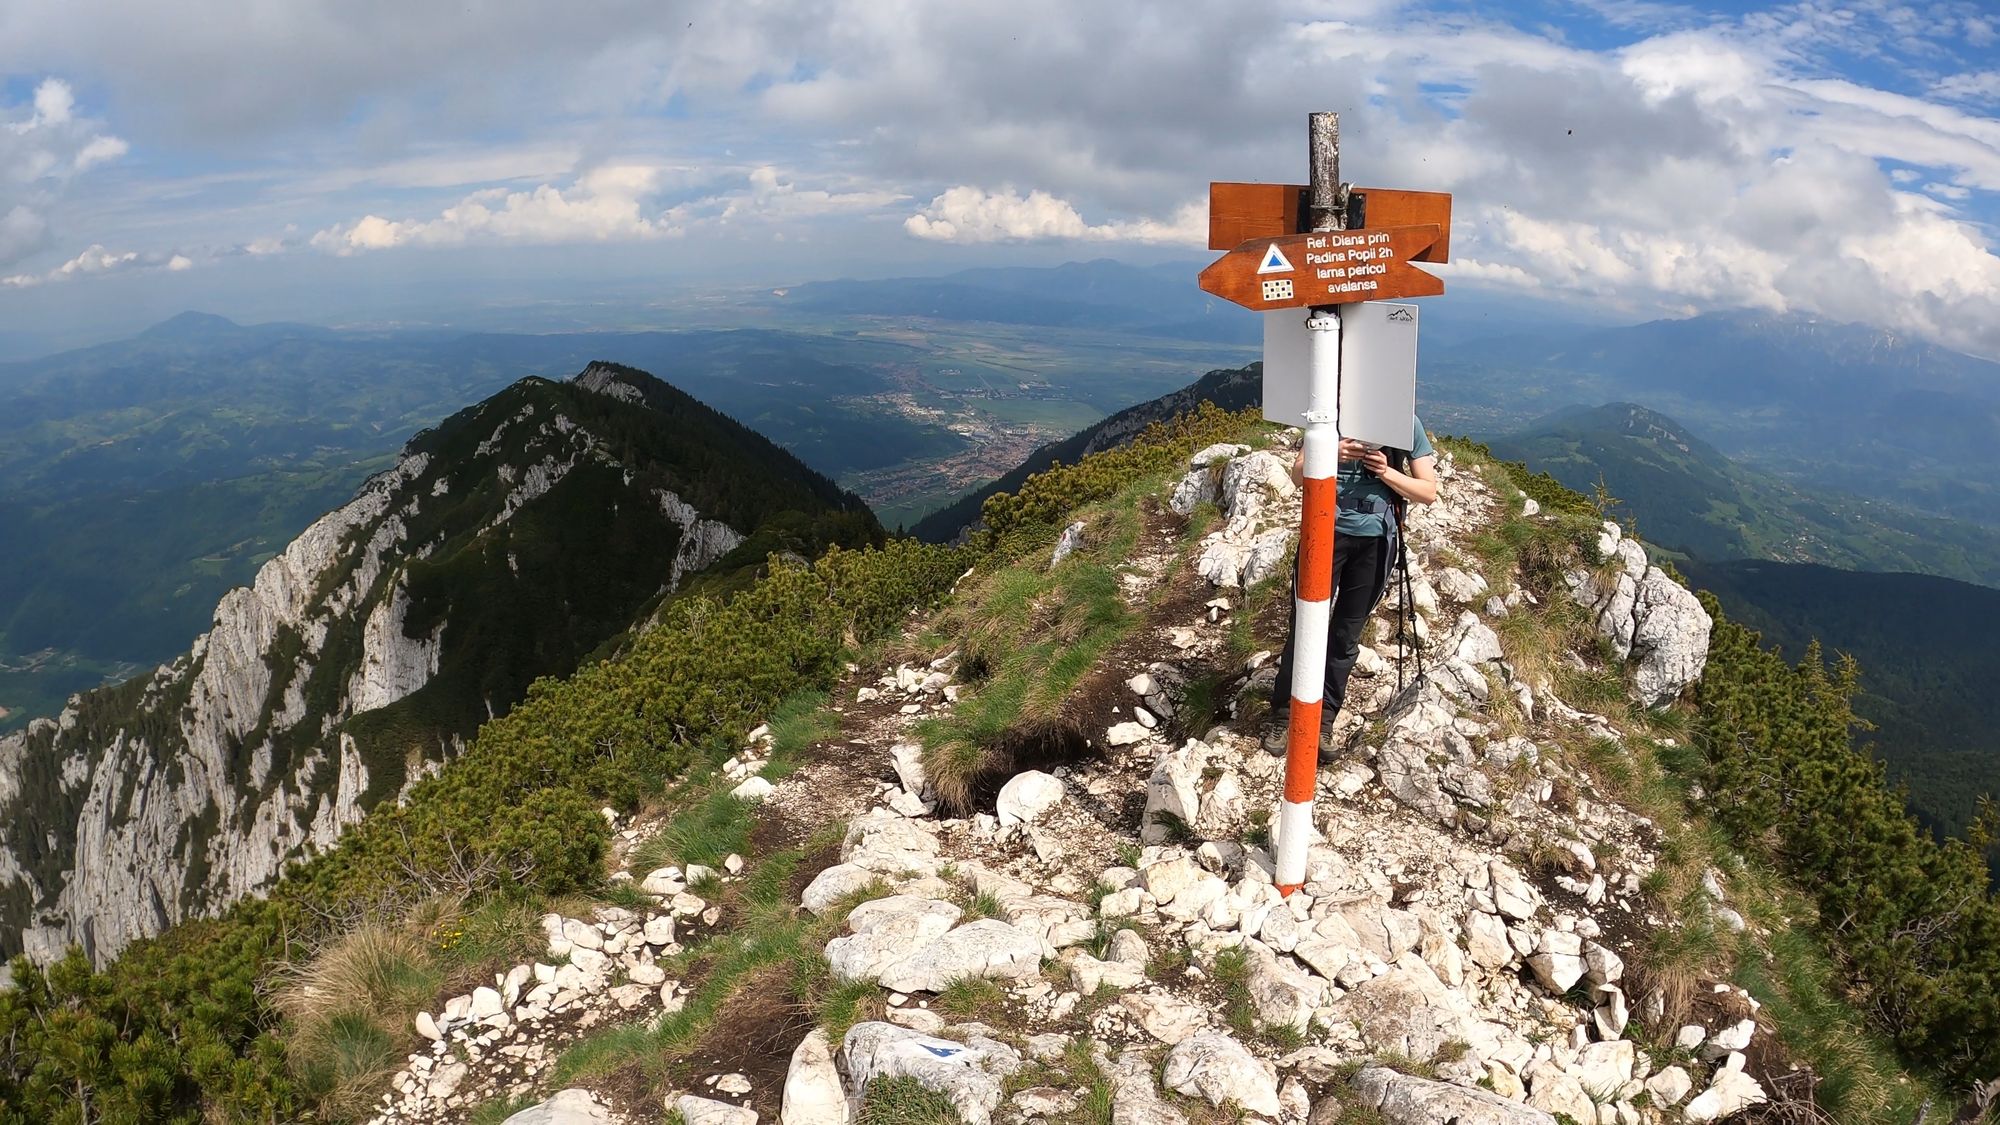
point(1376, 485)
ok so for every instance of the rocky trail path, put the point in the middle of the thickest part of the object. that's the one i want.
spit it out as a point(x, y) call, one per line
point(1100, 939)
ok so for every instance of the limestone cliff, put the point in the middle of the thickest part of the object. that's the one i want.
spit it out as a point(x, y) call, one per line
point(505, 544)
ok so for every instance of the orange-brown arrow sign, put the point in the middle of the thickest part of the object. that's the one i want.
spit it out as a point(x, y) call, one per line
point(1335, 267)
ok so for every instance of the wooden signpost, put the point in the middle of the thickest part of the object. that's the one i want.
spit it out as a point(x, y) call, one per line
point(1320, 246)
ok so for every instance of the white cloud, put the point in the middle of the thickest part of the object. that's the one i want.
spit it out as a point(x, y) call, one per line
point(1712, 161)
point(1976, 87)
point(604, 204)
point(970, 214)
point(771, 197)
point(43, 146)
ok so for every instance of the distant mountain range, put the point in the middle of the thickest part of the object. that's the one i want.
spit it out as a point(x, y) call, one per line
point(1827, 405)
point(1692, 499)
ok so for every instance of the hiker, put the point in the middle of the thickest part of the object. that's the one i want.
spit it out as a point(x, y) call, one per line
point(1376, 486)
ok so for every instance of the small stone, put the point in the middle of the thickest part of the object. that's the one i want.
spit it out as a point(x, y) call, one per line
point(707, 1111)
point(1126, 734)
point(1027, 796)
point(1670, 1086)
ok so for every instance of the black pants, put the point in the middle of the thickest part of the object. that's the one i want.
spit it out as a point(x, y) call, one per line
point(1360, 572)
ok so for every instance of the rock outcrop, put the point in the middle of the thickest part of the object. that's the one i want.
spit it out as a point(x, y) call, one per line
point(1648, 617)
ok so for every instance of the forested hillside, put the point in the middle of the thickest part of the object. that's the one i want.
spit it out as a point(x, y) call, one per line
point(1928, 662)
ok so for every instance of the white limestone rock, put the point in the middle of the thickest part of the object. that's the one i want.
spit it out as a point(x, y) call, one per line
point(1404, 1099)
point(1217, 1068)
point(1067, 543)
point(707, 1111)
point(1135, 1095)
point(1027, 796)
point(1173, 792)
point(1164, 1016)
point(968, 1073)
point(813, 1093)
point(986, 948)
point(890, 845)
point(1730, 1092)
point(569, 1107)
point(1126, 734)
point(1669, 1086)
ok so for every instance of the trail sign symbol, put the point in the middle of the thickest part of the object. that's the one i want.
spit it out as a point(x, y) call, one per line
point(1278, 289)
point(1275, 261)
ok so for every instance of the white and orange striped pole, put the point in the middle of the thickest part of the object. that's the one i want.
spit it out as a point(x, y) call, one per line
point(1312, 604)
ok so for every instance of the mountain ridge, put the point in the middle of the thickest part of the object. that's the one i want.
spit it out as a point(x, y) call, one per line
point(368, 650)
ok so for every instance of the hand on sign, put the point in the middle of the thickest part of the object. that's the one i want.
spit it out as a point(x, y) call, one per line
point(1375, 461)
point(1351, 450)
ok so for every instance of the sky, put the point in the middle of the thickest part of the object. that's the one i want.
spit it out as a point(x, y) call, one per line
point(318, 160)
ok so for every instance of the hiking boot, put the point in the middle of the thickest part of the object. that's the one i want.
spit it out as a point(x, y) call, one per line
point(1276, 732)
point(1276, 736)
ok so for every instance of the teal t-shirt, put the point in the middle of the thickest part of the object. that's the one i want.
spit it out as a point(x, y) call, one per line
point(1357, 482)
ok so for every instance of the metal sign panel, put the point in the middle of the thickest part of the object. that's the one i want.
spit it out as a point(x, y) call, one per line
point(1378, 371)
point(1285, 337)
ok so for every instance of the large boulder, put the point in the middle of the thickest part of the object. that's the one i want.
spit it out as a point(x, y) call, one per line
point(887, 932)
point(987, 948)
point(969, 1074)
point(1404, 1099)
point(1217, 1068)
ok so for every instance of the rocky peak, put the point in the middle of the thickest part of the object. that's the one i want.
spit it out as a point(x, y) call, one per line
point(506, 544)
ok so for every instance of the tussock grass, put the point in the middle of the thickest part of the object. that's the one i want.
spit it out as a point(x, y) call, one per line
point(348, 1008)
point(1033, 633)
point(970, 997)
point(802, 719)
point(904, 1101)
point(1801, 991)
point(705, 833)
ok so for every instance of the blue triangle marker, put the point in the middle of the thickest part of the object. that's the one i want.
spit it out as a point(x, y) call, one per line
point(1275, 261)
